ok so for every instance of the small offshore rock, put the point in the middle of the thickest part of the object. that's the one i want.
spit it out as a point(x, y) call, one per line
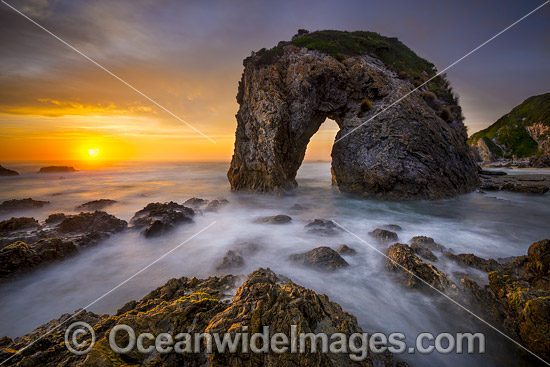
point(426, 242)
point(345, 250)
point(96, 204)
point(384, 236)
point(160, 218)
point(321, 258)
point(323, 227)
point(54, 169)
point(393, 227)
point(215, 205)
point(55, 218)
point(276, 219)
point(22, 204)
point(231, 260)
point(474, 261)
point(196, 203)
point(7, 172)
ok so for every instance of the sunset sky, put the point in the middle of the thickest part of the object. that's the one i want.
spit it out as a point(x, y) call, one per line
point(187, 56)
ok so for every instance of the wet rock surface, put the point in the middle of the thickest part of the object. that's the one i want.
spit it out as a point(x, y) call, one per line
point(401, 258)
point(27, 244)
point(198, 305)
point(157, 219)
point(322, 258)
point(275, 219)
point(408, 152)
point(518, 298)
point(322, 227)
point(530, 183)
point(96, 204)
point(21, 204)
point(384, 236)
point(345, 250)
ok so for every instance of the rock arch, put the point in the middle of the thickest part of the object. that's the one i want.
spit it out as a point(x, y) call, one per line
point(409, 151)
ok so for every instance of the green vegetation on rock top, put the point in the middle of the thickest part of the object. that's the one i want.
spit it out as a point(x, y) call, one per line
point(392, 52)
point(510, 131)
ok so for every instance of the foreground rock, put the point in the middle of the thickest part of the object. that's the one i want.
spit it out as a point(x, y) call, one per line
point(7, 172)
point(518, 297)
point(531, 183)
point(157, 219)
point(21, 204)
point(96, 204)
point(197, 306)
point(402, 258)
point(323, 258)
point(416, 150)
point(54, 169)
point(27, 244)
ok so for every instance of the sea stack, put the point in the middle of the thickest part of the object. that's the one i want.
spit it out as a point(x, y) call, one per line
point(415, 149)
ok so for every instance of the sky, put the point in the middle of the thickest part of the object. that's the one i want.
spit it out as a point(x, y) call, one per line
point(187, 56)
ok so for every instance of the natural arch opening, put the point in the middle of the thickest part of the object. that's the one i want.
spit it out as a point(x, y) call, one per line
point(318, 160)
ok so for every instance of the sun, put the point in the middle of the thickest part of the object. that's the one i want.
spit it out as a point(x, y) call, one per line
point(94, 152)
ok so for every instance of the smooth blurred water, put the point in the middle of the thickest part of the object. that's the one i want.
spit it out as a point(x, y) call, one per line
point(494, 225)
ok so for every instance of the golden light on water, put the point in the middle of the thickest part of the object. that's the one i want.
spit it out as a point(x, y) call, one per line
point(94, 152)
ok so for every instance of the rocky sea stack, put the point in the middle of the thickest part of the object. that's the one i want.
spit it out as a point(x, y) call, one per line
point(415, 150)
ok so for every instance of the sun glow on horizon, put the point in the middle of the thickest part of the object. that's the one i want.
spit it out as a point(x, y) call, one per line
point(93, 152)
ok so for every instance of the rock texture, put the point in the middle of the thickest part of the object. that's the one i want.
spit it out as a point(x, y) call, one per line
point(26, 244)
point(518, 297)
point(157, 219)
point(205, 305)
point(530, 183)
point(415, 150)
point(323, 258)
point(21, 204)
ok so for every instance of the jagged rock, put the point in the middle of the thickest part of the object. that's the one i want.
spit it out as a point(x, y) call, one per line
point(32, 244)
point(7, 172)
point(21, 204)
point(196, 203)
point(518, 297)
point(55, 218)
point(323, 227)
point(417, 149)
point(97, 221)
point(54, 169)
point(426, 242)
point(541, 161)
point(474, 261)
point(321, 258)
point(384, 236)
point(401, 257)
point(231, 260)
point(276, 219)
point(17, 224)
point(345, 250)
point(20, 257)
point(197, 306)
point(96, 204)
point(215, 205)
point(161, 218)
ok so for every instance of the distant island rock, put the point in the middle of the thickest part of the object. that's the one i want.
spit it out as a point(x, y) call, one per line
point(51, 169)
point(8, 172)
point(523, 132)
point(415, 150)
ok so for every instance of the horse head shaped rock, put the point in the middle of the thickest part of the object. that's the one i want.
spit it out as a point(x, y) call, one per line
point(416, 149)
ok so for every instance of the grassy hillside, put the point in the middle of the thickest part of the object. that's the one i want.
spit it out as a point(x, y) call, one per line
point(391, 51)
point(508, 136)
